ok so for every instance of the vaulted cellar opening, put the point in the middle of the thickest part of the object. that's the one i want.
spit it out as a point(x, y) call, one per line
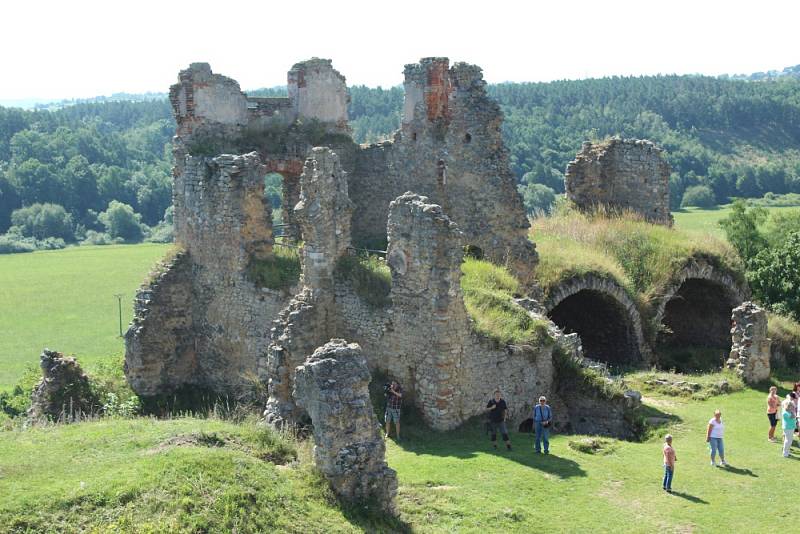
point(603, 324)
point(694, 334)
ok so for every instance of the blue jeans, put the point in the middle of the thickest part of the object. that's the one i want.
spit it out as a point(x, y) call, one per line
point(716, 447)
point(667, 477)
point(542, 434)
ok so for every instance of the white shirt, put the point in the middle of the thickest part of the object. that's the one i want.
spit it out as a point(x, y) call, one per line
point(717, 428)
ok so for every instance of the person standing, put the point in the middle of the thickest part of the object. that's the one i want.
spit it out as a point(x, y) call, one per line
point(772, 412)
point(789, 423)
point(542, 420)
point(714, 434)
point(669, 463)
point(498, 410)
point(394, 403)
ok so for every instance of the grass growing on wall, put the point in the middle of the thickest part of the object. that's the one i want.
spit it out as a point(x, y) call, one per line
point(488, 296)
point(281, 270)
point(639, 255)
point(370, 277)
point(785, 335)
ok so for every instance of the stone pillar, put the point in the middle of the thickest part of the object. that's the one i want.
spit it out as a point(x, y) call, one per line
point(333, 386)
point(324, 213)
point(750, 349)
point(424, 256)
point(318, 91)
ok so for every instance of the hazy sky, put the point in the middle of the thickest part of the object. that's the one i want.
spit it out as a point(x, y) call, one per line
point(63, 49)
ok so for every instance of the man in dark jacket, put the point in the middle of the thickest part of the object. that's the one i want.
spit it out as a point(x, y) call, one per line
point(498, 410)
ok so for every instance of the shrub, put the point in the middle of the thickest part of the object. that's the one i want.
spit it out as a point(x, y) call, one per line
point(537, 198)
point(41, 221)
point(700, 196)
point(774, 276)
point(369, 276)
point(13, 244)
point(785, 335)
point(122, 222)
point(741, 229)
point(100, 238)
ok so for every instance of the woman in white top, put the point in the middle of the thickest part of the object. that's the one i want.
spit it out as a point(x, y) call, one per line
point(716, 429)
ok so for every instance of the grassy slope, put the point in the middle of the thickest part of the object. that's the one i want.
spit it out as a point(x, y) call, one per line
point(112, 473)
point(64, 300)
point(117, 475)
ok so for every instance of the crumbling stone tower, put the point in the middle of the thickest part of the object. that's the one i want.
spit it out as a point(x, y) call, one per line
point(623, 174)
point(750, 350)
point(449, 148)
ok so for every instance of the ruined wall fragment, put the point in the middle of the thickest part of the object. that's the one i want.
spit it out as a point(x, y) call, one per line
point(623, 174)
point(324, 213)
point(750, 350)
point(318, 91)
point(449, 149)
point(159, 343)
point(64, 393)
point(332, 385)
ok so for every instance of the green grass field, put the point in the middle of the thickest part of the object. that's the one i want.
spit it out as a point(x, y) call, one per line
point(64, 300)
point(706, 220)
point(206, 475)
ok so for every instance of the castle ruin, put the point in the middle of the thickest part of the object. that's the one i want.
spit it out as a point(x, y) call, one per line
point(621, 174)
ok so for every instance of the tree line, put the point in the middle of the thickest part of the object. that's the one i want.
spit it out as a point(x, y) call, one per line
point(723, 138)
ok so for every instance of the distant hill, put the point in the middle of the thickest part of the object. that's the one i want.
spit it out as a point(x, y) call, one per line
point(738, 137)
point(790, 72)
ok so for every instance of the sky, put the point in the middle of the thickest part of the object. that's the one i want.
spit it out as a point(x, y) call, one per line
point(83, 48)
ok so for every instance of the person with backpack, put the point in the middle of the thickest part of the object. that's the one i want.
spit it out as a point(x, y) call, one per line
point(542, 421)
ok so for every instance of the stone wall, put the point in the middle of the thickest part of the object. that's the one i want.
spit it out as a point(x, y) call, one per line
point(64, 393)
point(624, 174)
point(449, 149)
point(332, 385)
point(750, 350)
point(159, 344)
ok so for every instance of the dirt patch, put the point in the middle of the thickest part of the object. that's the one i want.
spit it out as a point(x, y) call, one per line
point(215, 440)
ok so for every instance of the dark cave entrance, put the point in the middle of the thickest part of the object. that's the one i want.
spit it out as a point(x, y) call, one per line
point(602, 322)
point(695, 330)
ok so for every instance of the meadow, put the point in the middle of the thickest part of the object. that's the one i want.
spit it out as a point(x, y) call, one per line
point(65, 300)
point(706, 221)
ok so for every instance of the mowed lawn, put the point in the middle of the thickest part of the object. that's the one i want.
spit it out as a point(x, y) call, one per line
point(64, 300)
point(707, 220)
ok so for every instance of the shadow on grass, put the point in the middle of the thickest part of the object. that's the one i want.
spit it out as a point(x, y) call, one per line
point(690, 498)
point(469, 440)
point(739, 471)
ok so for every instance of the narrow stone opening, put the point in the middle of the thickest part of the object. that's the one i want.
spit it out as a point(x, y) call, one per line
point(472, 251)
point(694, 334)
point(602, 322)
point(467, 138)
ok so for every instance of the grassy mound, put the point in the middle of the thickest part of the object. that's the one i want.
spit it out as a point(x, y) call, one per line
point(179, 475)
point(489, 291)
point(640, 256)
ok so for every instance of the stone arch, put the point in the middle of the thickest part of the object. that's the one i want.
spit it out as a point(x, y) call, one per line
point(695, 309)
point(603, 314)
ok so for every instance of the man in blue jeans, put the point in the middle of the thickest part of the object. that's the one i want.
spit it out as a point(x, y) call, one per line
point(542, 420)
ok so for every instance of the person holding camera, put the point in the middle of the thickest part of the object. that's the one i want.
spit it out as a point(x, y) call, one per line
point(394, 401)
point(498, 409)
point(542, 421)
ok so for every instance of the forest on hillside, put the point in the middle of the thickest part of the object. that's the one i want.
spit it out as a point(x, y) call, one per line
point(729, 138)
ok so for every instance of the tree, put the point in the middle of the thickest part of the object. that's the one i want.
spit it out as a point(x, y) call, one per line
point(122, 222)
point(741, 229)
point(537, 198)
point(9, 201)
point(42, 221)
point(699, 196)
point(774, 276)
